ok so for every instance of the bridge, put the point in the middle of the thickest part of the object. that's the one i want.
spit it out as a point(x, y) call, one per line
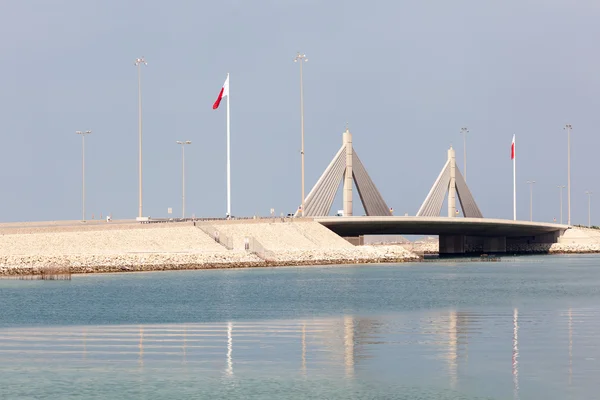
point(457, 234)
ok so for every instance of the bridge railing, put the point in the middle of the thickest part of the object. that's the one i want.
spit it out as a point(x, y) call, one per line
point(255, 247)
point(210, 230)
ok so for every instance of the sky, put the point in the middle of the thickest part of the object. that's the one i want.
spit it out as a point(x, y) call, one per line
point(405, 76)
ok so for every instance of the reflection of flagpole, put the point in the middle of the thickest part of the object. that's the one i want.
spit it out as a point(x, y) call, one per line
point(184, 341)
point(141, 345)
point(303, 347)
point(570, 345)
point(515, 354)
point(229, 348)
point(349, 345)
point(84, 342)
point(453, 345)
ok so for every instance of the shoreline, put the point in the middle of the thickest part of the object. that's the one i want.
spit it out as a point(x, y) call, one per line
point(228, 244)
point(113, 269)
point(28, 270)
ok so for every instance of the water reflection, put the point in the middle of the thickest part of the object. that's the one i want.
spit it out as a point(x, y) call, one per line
point(515, 354)
point(229, 369)
point(404, 345)
point(84, 334)
point(303, 341)
point(141, 346)
point(184, 343)
point(452, 355)
point(570, 313)
point(349, 345)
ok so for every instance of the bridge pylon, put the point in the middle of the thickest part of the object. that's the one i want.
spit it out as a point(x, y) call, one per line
point(452, 182)
point(345, 166)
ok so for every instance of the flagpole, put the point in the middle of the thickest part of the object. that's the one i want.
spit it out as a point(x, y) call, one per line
point(515, 181)
point(228, 158)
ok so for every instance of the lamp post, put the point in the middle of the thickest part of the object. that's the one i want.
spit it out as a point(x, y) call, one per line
point(530, 183)
point(464, 132)
point(83, 133)
point(183, 175)
point(138, 63)
point(589, 194)
point(568, 127)
point(302, 58)
point(561, 187)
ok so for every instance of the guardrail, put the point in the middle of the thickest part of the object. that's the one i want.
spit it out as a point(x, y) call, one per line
point(255, 247)
point(210, 230)
point(196, 219)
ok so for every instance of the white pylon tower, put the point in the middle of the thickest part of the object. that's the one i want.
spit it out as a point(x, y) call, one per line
point(345, 166)
point(452, 182)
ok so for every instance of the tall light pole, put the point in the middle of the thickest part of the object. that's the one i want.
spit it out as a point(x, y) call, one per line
point(83, 133)
point(464, 132)
point(302, 58)
point(561, 206)
point(183, 175)
point(138, 64)
point(568, 127)
point(589, 194)
point(530, 183)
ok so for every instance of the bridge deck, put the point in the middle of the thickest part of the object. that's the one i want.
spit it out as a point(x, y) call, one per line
point(356, 226)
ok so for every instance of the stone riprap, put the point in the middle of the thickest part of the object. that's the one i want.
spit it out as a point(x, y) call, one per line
point(115, 247)
point(357, 254)
point(88, 263)
point(575, 240)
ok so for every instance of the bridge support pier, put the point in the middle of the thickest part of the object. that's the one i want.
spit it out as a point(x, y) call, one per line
point(451, 244)
point(495, 244)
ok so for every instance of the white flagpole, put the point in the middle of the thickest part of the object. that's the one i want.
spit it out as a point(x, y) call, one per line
point(514, 179)
point(228, 158)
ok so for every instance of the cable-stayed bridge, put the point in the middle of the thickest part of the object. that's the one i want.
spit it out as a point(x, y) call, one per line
point(455, 233)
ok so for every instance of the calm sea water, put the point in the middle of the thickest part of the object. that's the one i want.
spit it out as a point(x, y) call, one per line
point(522, 328)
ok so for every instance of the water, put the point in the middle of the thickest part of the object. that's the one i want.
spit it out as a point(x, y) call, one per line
point(522, 328)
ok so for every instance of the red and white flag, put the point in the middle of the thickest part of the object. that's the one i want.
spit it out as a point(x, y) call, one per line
point(512, 149)
point(224, 92)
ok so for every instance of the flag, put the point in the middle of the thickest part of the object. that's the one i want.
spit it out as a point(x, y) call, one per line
point(224, 92)
point(512, 149)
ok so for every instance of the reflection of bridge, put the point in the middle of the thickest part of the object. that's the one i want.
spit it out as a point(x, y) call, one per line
point(473, 233)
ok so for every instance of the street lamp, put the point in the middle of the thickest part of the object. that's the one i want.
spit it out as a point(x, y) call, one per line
point(530, 183)
point(589, 194)
point(568, 127)
point(183, 175)
point(83, 133)
point(561, 204)
point(302, 58)
point(138, 63)
point(464, 132)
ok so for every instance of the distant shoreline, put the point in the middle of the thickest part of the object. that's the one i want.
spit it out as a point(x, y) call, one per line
point(127, 246)
point(100, 269)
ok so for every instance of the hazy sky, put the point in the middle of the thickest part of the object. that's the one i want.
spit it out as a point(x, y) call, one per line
point(406, 76)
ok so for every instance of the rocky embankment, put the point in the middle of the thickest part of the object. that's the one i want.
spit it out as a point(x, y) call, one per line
point(575, 240)
point(114, 247)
